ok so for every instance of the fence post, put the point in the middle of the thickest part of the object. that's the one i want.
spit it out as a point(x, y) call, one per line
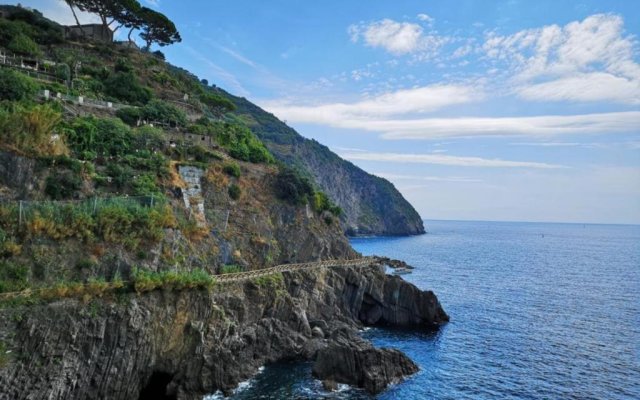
point(152, 201)
point(20, 213)
point(226, 222)
point(95, 205)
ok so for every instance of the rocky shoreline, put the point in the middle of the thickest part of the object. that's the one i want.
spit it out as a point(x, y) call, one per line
point(182, 345)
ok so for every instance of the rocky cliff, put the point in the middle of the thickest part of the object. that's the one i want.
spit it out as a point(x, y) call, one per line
point(182, 345)
point(372, 205)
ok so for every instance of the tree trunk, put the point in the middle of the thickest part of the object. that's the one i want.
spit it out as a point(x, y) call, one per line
point(76, 18)
point(129, 35)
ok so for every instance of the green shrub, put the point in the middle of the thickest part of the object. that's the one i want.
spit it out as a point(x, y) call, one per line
point(13, 276)
point(234, 191)
point(86, 264)
point(321, 203)
point(241, 143)
point(231, 269)
point(292, 187)
point(145, 185)
point(104, 136)
point(160, 111)
point(232, 169)
point(149, 137)
point(217, 104)
point(15, 86)
point(121, 175)
point(31, 129)
point(63, 72)
point(124, 86)
point(62, 185)
point(129, 115)
point(23, 44)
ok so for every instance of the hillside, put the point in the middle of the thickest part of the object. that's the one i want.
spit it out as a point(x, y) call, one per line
point(152, 247)
point(372, 205)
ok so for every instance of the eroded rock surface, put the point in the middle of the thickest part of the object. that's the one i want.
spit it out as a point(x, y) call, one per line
point(186, 344)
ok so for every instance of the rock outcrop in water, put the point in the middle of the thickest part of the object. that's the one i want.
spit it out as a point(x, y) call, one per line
point(349, 359)
point(185, 344)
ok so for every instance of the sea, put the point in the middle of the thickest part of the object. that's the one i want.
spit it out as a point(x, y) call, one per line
point(538, 311)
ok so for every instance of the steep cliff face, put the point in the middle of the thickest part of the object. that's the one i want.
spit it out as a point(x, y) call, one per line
point(186, 344)
point(372, 205)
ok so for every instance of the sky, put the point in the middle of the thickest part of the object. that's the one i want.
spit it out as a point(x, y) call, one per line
point(475, 110)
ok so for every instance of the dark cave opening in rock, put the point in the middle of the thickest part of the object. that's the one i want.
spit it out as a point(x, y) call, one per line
point(370, 310)
point(156, 388)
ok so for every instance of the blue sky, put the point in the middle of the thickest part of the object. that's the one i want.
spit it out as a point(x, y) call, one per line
point(485, 110)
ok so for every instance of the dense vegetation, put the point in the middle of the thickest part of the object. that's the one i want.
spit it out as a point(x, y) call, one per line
point(107, 178)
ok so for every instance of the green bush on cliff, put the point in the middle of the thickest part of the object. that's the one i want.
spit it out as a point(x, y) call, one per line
point(13, 276)
point(15, 86)
point(60, 186)
point(234, 191)
point(23, 44)
point(125, 87)
point(232, 169)
point(147, 281)
point(31, 129)
point(292, 187)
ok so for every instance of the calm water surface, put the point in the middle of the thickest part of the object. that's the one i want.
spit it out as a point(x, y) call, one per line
point(538, 311)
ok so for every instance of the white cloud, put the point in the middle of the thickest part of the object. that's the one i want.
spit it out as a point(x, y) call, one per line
point(595, 86)
point(440, 159)
point(153, 3)
point(380, 114)
point(397, 38)
point(546, 125)
point(422, 99)
point(459, 179)
point(589, 60)
point(426, 18)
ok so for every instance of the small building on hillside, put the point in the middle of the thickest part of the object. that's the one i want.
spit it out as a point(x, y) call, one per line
point(93, 32)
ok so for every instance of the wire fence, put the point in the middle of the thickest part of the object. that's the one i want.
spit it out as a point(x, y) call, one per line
point(18, 212)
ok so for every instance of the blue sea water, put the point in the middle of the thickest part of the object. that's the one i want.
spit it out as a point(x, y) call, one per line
point(538, 311)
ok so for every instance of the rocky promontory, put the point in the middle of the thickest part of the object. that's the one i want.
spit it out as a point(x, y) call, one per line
point(182, 345)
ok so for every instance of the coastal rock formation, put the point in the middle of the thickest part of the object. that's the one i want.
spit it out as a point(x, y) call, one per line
point(349, 359)
point(185, 344)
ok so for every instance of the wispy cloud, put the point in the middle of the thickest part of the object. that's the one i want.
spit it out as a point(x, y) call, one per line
point(459, 179)
point(220, 73)
point(238, 56)
point(440, 159)
point(368, 115)
point(422, 99)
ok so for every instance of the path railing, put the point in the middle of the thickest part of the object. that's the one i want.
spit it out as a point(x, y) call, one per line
point(224, 278)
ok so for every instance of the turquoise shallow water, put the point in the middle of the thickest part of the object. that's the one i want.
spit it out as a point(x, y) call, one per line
point(538, 311)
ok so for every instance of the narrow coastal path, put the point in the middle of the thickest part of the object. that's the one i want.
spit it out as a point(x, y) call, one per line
point(240, 276)
point(219, 279)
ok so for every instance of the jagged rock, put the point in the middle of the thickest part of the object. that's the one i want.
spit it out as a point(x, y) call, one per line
point(192, 342)
point(349, 359)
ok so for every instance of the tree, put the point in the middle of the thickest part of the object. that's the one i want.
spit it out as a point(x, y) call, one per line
point(157, 28)
point(109, 11)
point(217, 104)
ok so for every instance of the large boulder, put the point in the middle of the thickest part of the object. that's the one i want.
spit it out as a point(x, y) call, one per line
point(351, 360)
